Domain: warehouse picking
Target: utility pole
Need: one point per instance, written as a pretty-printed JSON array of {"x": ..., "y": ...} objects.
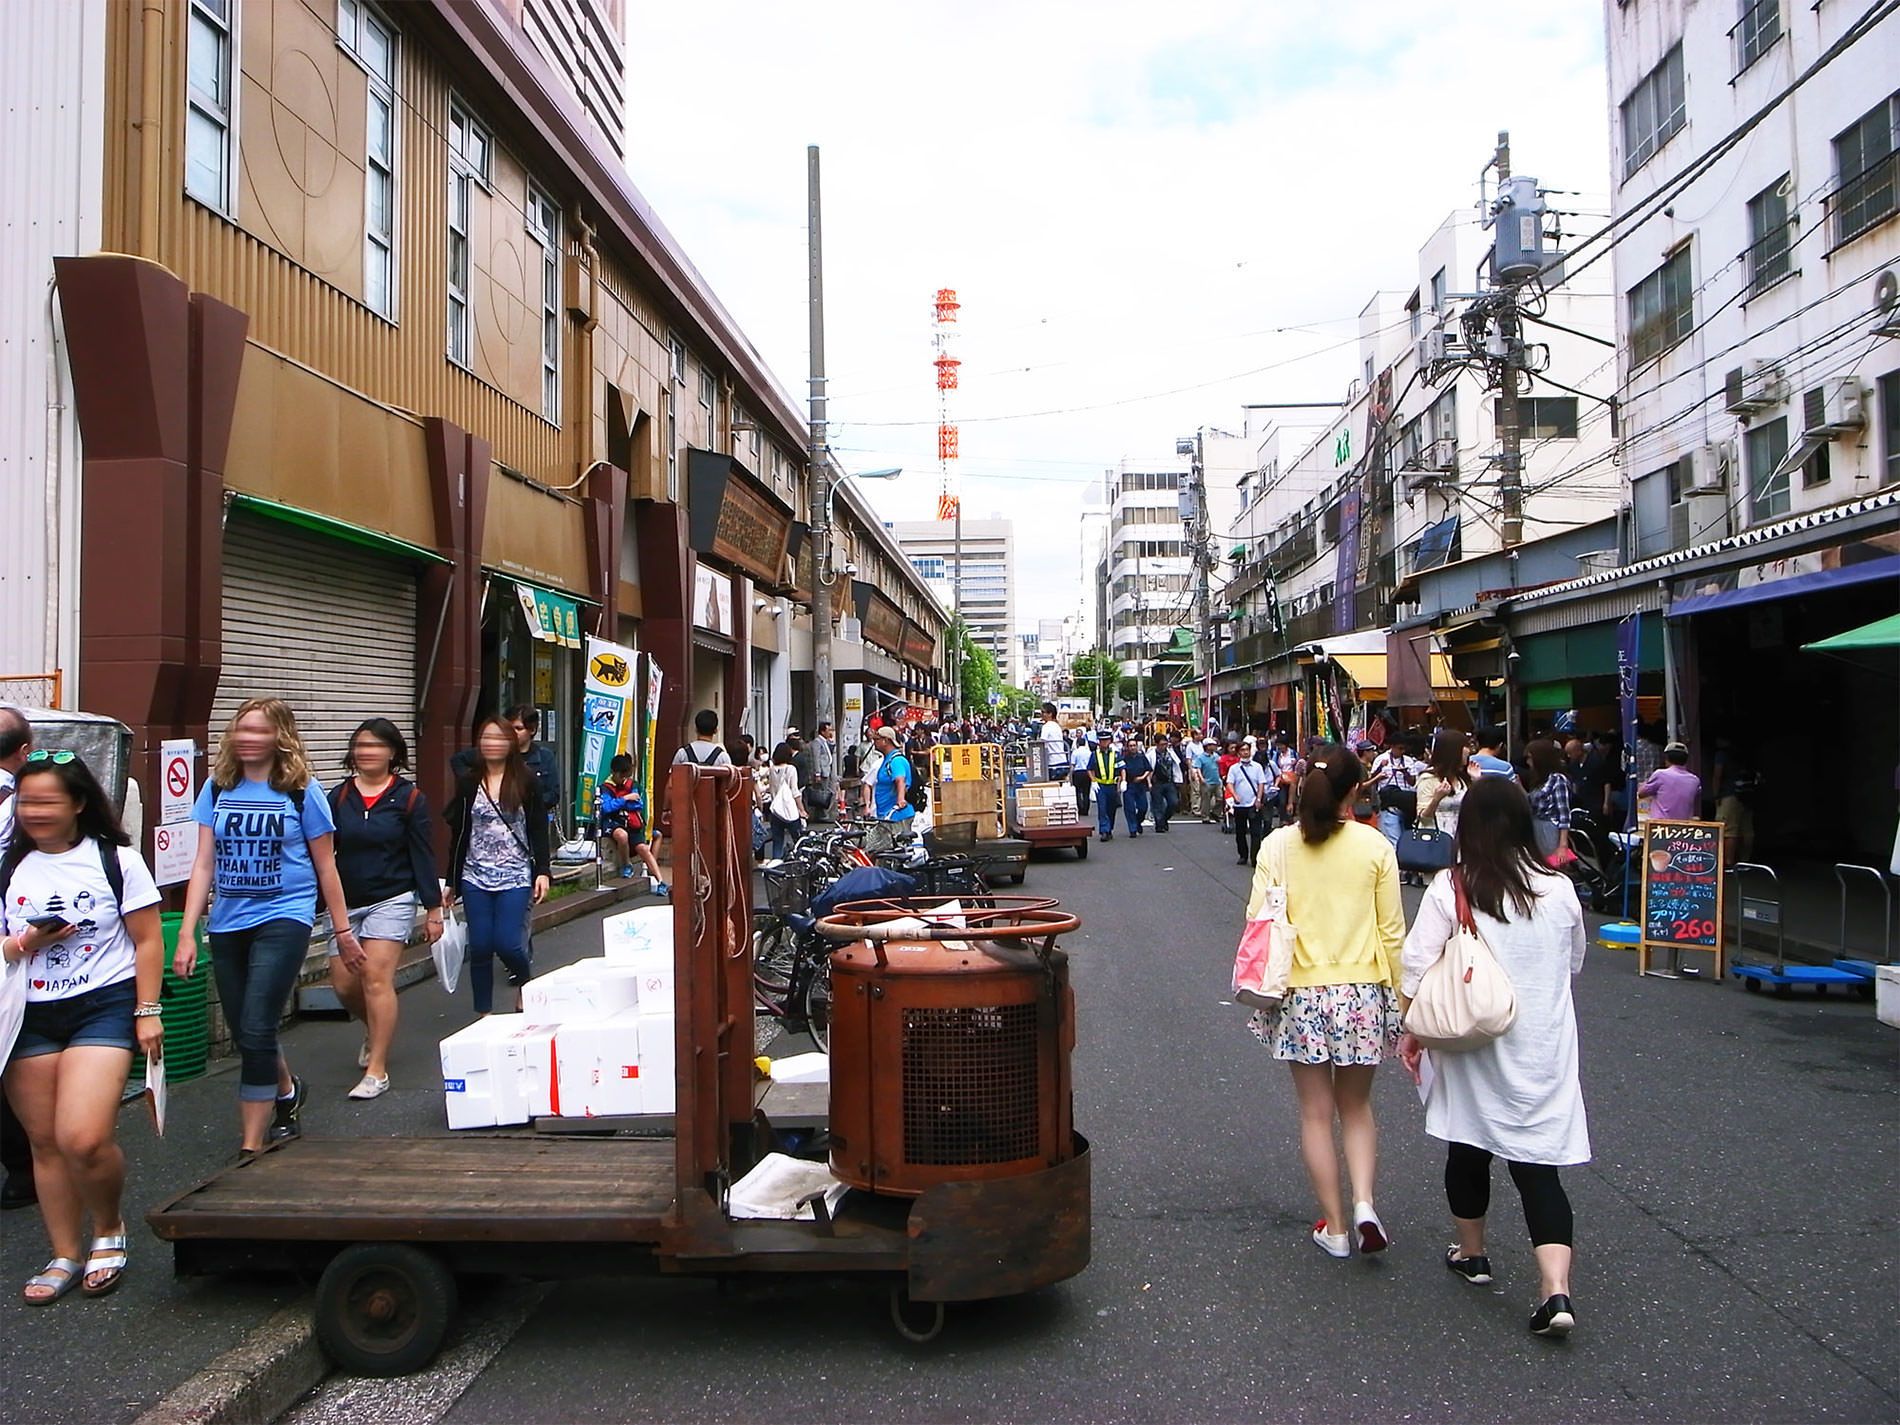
[
  {"x": 823, "y": 690},
  {"x": 1510, "y": 433},
  {"x": 1200, "y": 531}
]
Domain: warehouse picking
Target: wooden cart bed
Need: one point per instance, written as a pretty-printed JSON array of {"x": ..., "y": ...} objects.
[{"x": 487, "y": 1187}]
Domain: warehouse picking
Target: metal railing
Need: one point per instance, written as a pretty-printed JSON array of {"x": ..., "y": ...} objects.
[
  {"x": 32, "y": 690},
  {"x": 1864, "y": 199}
]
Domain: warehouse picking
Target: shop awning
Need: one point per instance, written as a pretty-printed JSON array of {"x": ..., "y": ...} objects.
[
  {"x": 1865, "y": 571},
  {"x": 336, "y": 529},
  {"x": 1881, "y": 633},
  {"x": 551, "y": 617},
  {"x": 1370, "y": 673}
]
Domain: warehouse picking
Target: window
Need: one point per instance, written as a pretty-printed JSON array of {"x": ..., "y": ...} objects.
[
  {"x": 931, "y": 566},
  {"x": 1890, "y": 425},
  {"x": 709, "y": 403},
  {"x": 372, "y": 43},
  {"x": 1756, "y": 32},
  {"x": 468, "y": 165},
  {"x": 208, "y": 104},
  {"x": 1762, "y": 448},
  {"x": 1546, "y": 417},
  {"x": 544, "y": 227},
  {"x": 1438, "y": 291},
  {"x": 1769, "y": 255},
  {"x": 1816, "y": 470},
  {"x": 1661, "y": 309},
  {"x": 1150, "y": 480},
  {"x": 676, "y": 352},
  {"x": 1653, "y": 112},
  {"x": 1650, "y": 498},
  {"x": 1864, "y": 175},
  {"x": 1414, "y": 323}
]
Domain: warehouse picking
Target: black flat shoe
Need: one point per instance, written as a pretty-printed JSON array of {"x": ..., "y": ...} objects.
[
  {"x": 1553, "y": 1318},
  {"x": 1476, "y": 1270}
]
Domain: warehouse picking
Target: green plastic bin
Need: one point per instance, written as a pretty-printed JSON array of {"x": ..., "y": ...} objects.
[{"x": 186, "y": 1012}]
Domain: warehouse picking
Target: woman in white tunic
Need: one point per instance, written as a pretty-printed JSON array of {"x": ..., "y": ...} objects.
[{"x": 1517, "y": 1097}]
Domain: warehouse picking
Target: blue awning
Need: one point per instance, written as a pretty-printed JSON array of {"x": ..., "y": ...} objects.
[{"x": 1866, "y": 571}]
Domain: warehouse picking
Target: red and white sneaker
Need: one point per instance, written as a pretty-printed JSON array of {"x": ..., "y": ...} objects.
[
  {"x": 1332, "y": 1244},
  {"x": 1372, "y": 1234}
]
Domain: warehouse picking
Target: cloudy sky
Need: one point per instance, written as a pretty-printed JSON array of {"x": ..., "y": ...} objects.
[{"x": 1151, "y": 213}]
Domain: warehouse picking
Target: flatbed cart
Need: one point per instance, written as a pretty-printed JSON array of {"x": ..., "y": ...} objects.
[
  {"x": 1024, "y": 765},
  {"x": 1762, "y": 910},
  {"x": 1853, "y": 964},
  {"x": 386, "y": 1224}
]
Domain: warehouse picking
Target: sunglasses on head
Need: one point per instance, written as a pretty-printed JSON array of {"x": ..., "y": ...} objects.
[{"x": 61, "y": 757}]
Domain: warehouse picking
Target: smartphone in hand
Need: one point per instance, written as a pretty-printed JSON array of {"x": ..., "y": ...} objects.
[{"x": 51, "y": 924}]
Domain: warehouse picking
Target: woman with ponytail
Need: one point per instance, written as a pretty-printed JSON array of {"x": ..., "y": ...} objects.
[{"x": 1340, "y": 1016}]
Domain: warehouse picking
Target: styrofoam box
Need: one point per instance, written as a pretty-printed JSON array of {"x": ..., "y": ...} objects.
[
  {"x": 649, "y": 928},
  {"x": 657, "y": 1061},
  {"x": 530, "y": 1060},
  {"x": 468, "y": 1077},
  {"x": 1887, "y": 994},
  {"x": 586, "y": 989},
  {"x": 599, "y": 1067},
  {"x": 654, "y": 971}
]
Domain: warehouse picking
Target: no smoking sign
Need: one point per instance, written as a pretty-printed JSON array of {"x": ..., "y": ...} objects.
[{"x": 176, "y": 763}]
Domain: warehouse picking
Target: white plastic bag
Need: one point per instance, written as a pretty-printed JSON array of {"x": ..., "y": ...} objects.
[
  {"x": 450, "y": 950},
  {"x": 12, "y": 1004}
]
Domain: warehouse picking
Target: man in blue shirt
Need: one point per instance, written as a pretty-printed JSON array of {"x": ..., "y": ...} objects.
[
  {"x": 1137, "y": 777},
  {"x": 890, "y": 795},
  {"x": 1487, "y": 760},
  {"x": 1209, "y": 796}
]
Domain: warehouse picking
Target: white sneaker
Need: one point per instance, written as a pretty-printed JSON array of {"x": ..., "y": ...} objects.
[
  {"x": 371, "y": 1086},
  {"x": 1332, "y": 1244},
  {"x": 1372, "y": 1233}
]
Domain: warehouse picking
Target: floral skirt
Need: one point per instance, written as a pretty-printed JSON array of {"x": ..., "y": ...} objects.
[{"x": 1331, "y": 1024}]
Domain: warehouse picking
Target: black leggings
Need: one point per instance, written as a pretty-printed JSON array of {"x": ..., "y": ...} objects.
[{"x": 1546, "y": 1206}]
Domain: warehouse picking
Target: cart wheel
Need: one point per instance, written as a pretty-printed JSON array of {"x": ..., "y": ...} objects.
[
  {"x": 917, "y": 1321},
  {"x": 1081, "y": 851},
  {"x": 383, "y": 1308},
  {"x": 1752, "y": 985}
]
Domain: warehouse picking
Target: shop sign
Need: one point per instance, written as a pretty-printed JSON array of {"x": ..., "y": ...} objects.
[
  {"x": 616, "y": 717},
  {"x": 918, "y": 646},
  {"x": 550, "y": 617},
  {"x": 883, "y": 623},
  {"x": 712, "y": 600},
  {"x": 752, "y": 533},
  {"x": 1682, "y": 889}
]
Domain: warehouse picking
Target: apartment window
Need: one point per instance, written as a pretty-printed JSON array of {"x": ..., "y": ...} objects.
[
  {"x": 676, "y": 356},
  {"x": 1890, "y": 425},
  {"x": 1438, "y": 291},
  {"x": 1816, "y": 469},
  {"x": 544, "y": 227},
  {"x": 1150, "y": 480},
  {"x": 1763, "y": 449},
  {"x": 1756, "y": 32},
  {"x": 1414, "y": 323},
  {"x": 1770, "y": 257},
  {"x": 1651, "y": 497},
  {"x": 371, "y": 41},
  {"x": 1653, "y": 112},
  {"x": 1864, "y": 173},
  {"x": 469, "y": 147},
  {"x": 1661, "y": 309},
  {"x": 208, "y": 104},
  {"x": 1546, "y": 417}
]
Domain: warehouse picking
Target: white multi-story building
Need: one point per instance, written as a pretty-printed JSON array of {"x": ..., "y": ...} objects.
[
  {"x": 987, "y": 587},
  {"x": 1148, "y": 564}
]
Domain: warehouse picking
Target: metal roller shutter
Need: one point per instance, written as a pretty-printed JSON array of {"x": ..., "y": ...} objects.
[{"x": 328, "y": 627}]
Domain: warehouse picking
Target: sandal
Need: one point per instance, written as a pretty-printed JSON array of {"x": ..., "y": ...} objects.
[
  {"x": 106, "y": 1257},
  {"x": 59, "y": 1286}
]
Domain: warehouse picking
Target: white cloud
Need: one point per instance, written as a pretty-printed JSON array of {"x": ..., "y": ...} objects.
[{"x": 1123, "y": 209}]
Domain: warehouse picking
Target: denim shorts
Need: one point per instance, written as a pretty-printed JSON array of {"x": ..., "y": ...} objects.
[
  {"x": 100, "y": 1018},
  {"x": 393, "y": 919}
]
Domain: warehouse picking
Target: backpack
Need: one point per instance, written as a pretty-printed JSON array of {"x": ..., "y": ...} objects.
[
  {"x": 296, "y": 795},
  {"x": 711, "y": 757},
  {"x": 336, "y": 799}
]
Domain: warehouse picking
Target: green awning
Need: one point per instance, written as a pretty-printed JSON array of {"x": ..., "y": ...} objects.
[
  {"x": 1881, "y": 633},
  {"x": 551, "y": 617},
  {"x": 336, "y": 529}
]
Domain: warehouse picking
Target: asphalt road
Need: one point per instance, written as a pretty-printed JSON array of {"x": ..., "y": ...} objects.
[{"x": 1736, "y": 1259}]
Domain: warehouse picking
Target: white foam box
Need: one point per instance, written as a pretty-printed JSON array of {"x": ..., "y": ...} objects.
[
  {"x": 599, "y": 1069},
  {"x": 586, "y": 989},
  {"x": 525, "y": 1059},
  {"x": 653, "y": 969},
  {"x": 657, "y": 1062},
  {"x": 1887, "y": 994},
  {"x": 468, "y": 1083},
  {"x": 649, "y": 928}
]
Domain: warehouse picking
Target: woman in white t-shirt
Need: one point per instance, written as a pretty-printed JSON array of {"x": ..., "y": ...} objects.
[{"x": 82, "y": 923}]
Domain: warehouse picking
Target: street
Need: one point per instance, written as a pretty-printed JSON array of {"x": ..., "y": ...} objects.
[{"x": 1736, "y": 1236}]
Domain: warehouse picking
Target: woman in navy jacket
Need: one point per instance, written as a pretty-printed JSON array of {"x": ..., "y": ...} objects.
[{"x": 385, "y": 857}]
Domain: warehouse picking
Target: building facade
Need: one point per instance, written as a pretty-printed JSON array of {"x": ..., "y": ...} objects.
[
  {"x": 988, "y": 584},
  {"x": 380, "y": 387}
]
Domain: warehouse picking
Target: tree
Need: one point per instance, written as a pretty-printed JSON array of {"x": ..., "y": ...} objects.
[
  {"x": 1093, "y": 676},
  {"x": 978, "y": 674}
]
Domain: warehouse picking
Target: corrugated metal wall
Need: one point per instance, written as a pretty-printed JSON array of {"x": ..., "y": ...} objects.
[{"x": 52, "y": 74}]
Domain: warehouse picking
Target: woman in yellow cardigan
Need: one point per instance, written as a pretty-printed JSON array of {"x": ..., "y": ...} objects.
[{"x": 1340, "y": 1017}]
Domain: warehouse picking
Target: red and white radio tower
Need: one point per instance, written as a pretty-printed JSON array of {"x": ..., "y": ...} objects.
[{"x": 944, "y": 331}]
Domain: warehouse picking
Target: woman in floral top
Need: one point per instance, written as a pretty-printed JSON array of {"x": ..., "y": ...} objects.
[{"x": 498, "y": 863}]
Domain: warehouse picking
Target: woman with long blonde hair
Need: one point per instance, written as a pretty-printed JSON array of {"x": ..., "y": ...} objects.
[{"x": 267, "y": 847}]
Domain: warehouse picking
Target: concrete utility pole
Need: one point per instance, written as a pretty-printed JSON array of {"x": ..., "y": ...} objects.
[
  {"x": 1201, "y": 533},
  {"x": 1510, "y": 433},
  {"x": 823, "y": 688}
]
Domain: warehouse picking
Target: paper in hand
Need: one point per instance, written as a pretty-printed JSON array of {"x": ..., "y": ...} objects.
[
  {"x": 155, "y": 1093},
  {"x": 1427, "y": 1075}
]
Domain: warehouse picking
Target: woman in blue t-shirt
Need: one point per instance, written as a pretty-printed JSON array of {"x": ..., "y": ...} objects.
[{"x": 268, "y": 851}]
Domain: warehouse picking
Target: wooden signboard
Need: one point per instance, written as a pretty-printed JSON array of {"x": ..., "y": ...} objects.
[{"x": 1682, "y": 891}]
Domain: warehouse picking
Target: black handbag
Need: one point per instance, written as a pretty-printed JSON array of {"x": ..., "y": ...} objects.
[
  {"x": 1403, "y": 800},
  {"x": 1424, "y": 848}
]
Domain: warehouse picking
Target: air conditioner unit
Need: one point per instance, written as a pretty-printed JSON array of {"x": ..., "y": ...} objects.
[
  {"x": 1442, "y": 455},
  {"x": 1834, "y": 407},
  {"x": 1754, "y": 386},
  {"x": 1698, "y": 519},
  {"x": 1598, "y": 561},
  {"x": 1433, "y": 347},
  {"x": 1708, "y": 470}
]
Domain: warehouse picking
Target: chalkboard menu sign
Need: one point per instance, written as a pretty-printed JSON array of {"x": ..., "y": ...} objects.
[{"x": 1682, "y": 889}]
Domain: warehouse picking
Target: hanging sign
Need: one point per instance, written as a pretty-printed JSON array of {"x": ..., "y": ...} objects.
[
  {"x": 610, "y": 715},
  {"x": 177, "y": 783},
  {"x": 1682, "y": 890}
]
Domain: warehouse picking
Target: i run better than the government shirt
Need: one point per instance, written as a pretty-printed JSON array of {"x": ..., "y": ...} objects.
[{"x": 261, "y": 853}]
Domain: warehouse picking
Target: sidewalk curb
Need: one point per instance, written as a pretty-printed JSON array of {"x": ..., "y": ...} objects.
[{"x": 254, "y": 1382}]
